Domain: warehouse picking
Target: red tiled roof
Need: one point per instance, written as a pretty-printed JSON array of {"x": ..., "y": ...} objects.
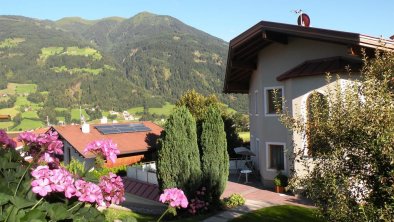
[
  {"x": 127, "y": 142},
  {"x": 242, "y": 58},
  {"x": 336, "y": 64},
  {"x": 142, "y": 189},
  {"x": 5, "y": 117}
]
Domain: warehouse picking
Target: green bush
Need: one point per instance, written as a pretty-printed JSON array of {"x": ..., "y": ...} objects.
[
  {"x": 234, "y": 200},
  {"x": 352, "y": 175},
  {"x": 281, "y": 180},
  {"x": 214, "y": 156}
]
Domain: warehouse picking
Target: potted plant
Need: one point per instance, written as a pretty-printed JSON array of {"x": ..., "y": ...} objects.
[{"x": 280, "y": 182}]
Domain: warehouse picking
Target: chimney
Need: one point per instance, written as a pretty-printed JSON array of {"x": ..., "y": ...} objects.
[
  {"x": 85, "y": 128},
  {"x": 104, "y": 120}
]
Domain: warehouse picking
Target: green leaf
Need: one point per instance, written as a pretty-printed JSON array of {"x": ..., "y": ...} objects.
[
  {"x": 21, "y": 203},
  {"x": 58, "y": 211},
  {"x": 4, "y": 198},
  {"x": 34, "y": 215}
]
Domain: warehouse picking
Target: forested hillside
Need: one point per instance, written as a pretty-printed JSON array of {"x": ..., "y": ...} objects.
[{"x": 112, "y": 63}]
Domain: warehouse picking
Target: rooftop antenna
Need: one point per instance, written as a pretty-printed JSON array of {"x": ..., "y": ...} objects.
[
  {"x": 82, "y": 117},
  {"x": 303, "y": 19}
]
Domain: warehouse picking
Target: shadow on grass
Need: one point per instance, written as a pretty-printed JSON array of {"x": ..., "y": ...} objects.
[{"x": 281, "y": 213}]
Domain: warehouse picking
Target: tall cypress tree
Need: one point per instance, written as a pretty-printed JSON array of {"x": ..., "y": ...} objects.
[
  {"x": 214, "y": 159},
  {"x": 178, "y": 163}
]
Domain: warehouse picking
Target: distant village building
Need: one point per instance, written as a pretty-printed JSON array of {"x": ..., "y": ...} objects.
[
  {"x": 128, "y": 116},
  {"x": 133, "y": 140},
  {"x": 113, "y": 112},
  {"x": 5, "y": 118}
]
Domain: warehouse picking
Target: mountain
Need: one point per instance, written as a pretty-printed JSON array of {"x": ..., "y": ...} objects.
[{"x": 112, "y": 62}]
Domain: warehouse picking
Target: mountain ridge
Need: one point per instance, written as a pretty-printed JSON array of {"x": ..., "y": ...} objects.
[{"x": 149, "y": 57}]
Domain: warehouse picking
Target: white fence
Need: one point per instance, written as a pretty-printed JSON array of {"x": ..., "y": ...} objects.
[{"x": 145, "y": 172}]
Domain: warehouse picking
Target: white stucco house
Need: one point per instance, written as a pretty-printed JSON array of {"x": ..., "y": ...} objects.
[{"x": 293, "y": 60}]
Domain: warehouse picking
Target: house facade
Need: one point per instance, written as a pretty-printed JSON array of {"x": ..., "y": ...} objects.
[{"x": 288, "y": 61}]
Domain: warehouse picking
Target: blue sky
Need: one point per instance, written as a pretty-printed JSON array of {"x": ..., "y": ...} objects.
[{"x": 223, "y": 18}]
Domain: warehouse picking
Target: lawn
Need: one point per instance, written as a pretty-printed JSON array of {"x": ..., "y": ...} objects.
[
  {"x": 30, "y": 115},
  {"x": 22, "y": 101},
  {"x": 135, "y": 110},
  {"x": 13, "y": 88},
  {"x": 279, "y": 214},
  {"x": 28, "y": 124},
  {"x": 166, "y": 110},
  {"x": 75, "y": 114},
  {"x": 245, "y": 136},
  {"x": 6, "y": 125},
  {"x": 25, "y": 88},
  {"x": 111, "y": 214}
]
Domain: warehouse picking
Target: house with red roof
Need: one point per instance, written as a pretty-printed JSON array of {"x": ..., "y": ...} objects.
[
  {"x": 290, "y": 61},
  {"x": 134, "y": 140}
]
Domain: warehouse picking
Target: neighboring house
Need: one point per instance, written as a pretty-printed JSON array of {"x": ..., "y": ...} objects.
[
  {"x": 291, "y": 60},
  {"x": 133, "y": 140},
  {"x": 5, "y": 118}
]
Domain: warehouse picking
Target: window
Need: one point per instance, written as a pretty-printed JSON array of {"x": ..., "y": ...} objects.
[
  {"x": 276, "y": 156},
  {"x": 272, "y": 95},
  {"x": 256, "y": 110},
  {"x": 317, "y": 113}
]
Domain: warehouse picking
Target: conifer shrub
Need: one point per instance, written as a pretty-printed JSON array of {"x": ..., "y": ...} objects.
[
  {"x": 214, "y": 156},
  {"x": 178, "y": 163}
]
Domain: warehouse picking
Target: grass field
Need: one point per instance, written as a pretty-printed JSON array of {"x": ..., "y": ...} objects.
[
  {"x": 245, "y": 136},
  {"x": 25, "y": 88},
  {"x": 71, "y": 51},
  {"x": 11, "y": 42},
  {"x": 30, "y": 115},
  {"x": 13, "y": 88},
  {"x": 165, "y": 110},
  {"x": 282, "y": 213},
  {"x": 6, "y": 125},
  {"x": 75, "y": 114},
  {"x": 77, "y": 70},
  {"x": 136, "y": 110},
  {"x": 28, "y": 124}
]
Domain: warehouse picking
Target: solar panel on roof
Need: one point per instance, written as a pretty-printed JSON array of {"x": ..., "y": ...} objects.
[
  {"x": 126, "y": 130},
  {"x": 122, "y": 128},
  {"x": 104, "y": 127}
]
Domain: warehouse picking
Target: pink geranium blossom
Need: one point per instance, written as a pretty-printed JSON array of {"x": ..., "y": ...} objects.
[
  {"x": 89, "y": 192},
  {"x": 104, "y": 148},
  {"x": 112, "y": 188},
  {"x": 55, "y": 180},
  {"x": 41, "y": 186},
  {"x": 44, "y": 146},
  {"x": 5, "y": 141},
  {"x": 175, "y": 197}
]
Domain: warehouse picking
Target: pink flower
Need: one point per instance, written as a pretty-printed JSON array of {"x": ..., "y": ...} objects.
[
  {"x": 89, "y": 192},
  {"x": 41, "y": 186},
  {"x": 27, "y": 137},
  {"x": 41, "y": 172},
  {"x": 112, "y": 189},
  {"x": 55, "y": 147},
  {"x": 5, "y": 141},
  {"x": 175, "y": 197},
  {"x": 104, "y": 148}
]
